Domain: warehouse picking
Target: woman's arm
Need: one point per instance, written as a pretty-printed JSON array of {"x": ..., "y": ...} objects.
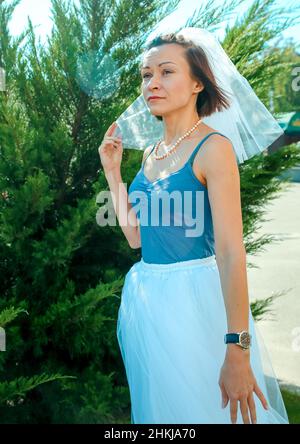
[
  {"x": 123, "y": 207},
  {"x": 220, "y": 169},
  {"x": 223, "y": 183}
]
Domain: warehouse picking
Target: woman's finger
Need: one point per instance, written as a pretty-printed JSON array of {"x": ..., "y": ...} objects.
[
  {"x": 115, "y": 144},
  {"x": 252, "y": 408},
  {"x": 260, "y": 395},
  {"x": 111, "y": 129},
  {"x": 225, "y": 397},
  {"x": 233, "y": 410},
  {"x": 112, "y": 138},
  {"x": 244, "y": 410}
]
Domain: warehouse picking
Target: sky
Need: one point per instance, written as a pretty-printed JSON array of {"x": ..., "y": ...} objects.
[{"x": 39, "y": 12}]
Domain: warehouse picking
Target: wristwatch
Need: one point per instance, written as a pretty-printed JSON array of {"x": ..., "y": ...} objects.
[{"x": 243, "y": 339}]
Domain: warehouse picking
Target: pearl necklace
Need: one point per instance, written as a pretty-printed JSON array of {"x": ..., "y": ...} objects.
[{"x": 174, "y": 147}]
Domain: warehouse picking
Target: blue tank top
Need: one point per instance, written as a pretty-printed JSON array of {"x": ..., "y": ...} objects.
[{"x": 183, "y": 230}]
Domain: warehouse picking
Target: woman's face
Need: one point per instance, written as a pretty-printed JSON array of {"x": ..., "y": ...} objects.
[{"x": 171, "y": 81}]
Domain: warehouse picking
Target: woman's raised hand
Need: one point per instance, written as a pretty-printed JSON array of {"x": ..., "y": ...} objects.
[{"x": 111, "y": 150}]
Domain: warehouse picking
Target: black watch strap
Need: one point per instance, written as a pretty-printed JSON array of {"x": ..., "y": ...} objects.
[{"x": 232, "y": 338}]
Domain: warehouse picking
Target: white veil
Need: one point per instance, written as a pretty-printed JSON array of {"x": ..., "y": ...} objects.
[{"x": 248, "y": 124}]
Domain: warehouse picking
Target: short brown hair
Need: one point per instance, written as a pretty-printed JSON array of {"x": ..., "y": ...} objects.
[{"x": 212, "y": 98}]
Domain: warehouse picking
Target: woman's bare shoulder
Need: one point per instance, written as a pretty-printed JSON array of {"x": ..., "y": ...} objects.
[{"x": 216, "y": 150}]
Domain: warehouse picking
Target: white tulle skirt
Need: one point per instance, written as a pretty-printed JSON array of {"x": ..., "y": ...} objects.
[{"x": 170, "y": 329}]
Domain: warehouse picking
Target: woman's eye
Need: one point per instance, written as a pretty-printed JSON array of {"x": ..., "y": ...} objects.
[{"x": 147, "y": 75}]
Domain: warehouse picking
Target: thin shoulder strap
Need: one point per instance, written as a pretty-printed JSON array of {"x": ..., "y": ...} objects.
[
  {"x": 192, "y": 156},
  {"x": 148, "y": 155}
]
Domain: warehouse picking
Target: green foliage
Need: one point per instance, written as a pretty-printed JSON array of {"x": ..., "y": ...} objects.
[
  {"x": 13, "y": 392},
  {"x": 9, "y": 314},
  {"x": 292, "y": 402},
  {"x": 56, "y": 263},
  {"x": 22, "y": 385}
]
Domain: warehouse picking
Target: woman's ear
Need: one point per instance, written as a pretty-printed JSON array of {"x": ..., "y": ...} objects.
[{"x": 198, "y": 87}]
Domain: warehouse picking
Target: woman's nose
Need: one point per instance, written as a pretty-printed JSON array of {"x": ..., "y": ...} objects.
[{"x": 153, "y": 82}]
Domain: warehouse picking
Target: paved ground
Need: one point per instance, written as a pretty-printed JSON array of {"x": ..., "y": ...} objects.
[{"x": 279, "y": 271}]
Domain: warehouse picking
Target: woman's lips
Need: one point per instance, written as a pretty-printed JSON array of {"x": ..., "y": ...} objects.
[{"x": 155, "y": 98}]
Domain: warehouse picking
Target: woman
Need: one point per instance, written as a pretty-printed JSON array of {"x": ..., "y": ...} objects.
[{"x": 190, "y": 287}]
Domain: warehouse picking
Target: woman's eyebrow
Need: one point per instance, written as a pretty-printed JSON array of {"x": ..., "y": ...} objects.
[{"x": 148, "y": 67}]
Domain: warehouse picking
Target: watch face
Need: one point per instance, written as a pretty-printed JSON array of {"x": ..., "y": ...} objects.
[{"x": 245, "y": 339}]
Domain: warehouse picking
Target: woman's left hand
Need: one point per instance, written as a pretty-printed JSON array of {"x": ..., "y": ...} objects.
[{"x": 237, "y": 383}]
